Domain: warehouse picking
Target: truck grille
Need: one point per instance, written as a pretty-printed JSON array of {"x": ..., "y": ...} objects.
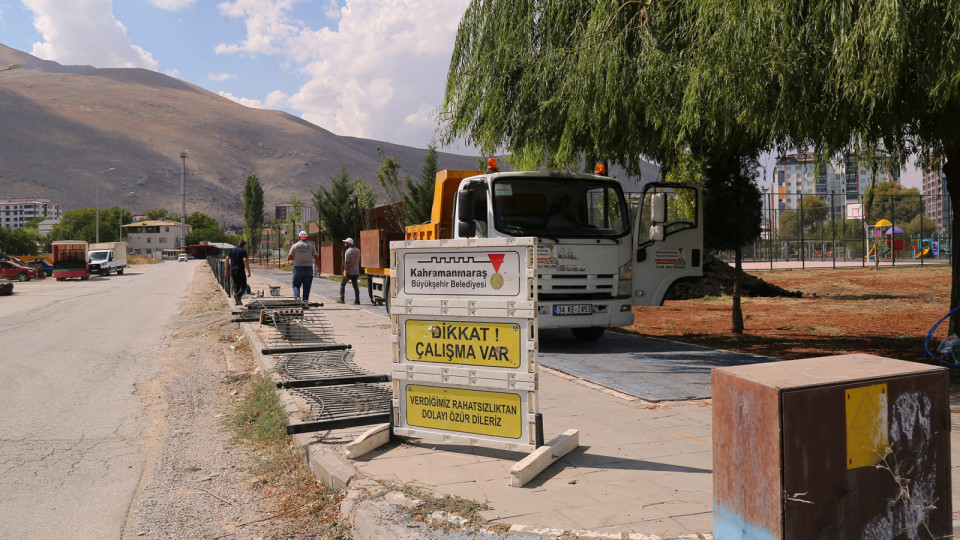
[{"x": 576, "y": 287}]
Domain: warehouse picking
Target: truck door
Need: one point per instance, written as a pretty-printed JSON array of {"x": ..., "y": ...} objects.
[{"x": 667, "y": 240}]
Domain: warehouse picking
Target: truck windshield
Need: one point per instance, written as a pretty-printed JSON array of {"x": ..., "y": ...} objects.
[
  {"x": 560, "y": 207},
  {"x": 98, "y": 255}
]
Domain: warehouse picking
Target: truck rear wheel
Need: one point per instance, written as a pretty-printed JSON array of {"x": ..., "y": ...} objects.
[
  {"x": 120, "y": 272},
  {"x": 592, "y": 333}
]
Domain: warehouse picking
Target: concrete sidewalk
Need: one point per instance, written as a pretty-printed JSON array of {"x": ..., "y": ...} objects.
[{"x": 643, "y": 469}]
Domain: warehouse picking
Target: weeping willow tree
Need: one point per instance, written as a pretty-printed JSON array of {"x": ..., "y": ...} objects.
[
  {"x": 852, "y": 74},
  {"x": 620, "y": 79},
  {"x": 563, "y": 83}
]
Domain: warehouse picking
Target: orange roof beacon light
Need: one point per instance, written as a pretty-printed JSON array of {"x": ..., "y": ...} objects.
[
  {"x": 600, "y": 169},
  {"x": 492, "y": 165}
]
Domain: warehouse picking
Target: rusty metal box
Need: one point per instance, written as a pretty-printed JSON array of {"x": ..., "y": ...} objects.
[{"x": 841, "y": 447}]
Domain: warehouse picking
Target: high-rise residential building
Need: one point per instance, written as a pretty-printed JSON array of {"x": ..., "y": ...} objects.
[
  {"x": 936, "y": 200},
  {"x": 860, "y": 172},
  {"x": 15, "y": 213},
  {"x": 307, "y": 213},
  {"x": 797, "y": 175}
]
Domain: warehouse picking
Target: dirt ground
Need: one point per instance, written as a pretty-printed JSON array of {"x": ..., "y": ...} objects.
[
  {"x": 887, "y": 312},
  {"x": 197, "y": 482}
]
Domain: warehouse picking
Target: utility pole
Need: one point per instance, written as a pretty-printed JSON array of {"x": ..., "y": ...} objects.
[
  {"x": 98, "y": 201},
  {"x": 183, "y": 200}
]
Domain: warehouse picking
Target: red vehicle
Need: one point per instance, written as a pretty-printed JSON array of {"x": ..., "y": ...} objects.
[
  {"x": 70, "y": 260},
  {"x": 12, "y": 270}
]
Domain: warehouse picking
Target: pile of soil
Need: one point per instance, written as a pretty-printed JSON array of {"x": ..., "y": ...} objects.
[{"x": 717, "y": 280}]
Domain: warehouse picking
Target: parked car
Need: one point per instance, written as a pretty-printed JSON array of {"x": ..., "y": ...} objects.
[
  {"x": 182, "y": 257},
  {"x": 12, "y": 270},
  {"x": 42, "y": 267}
]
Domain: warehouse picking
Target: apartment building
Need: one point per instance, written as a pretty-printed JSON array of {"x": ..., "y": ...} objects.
[
  {"x": 15, "y": 213},
  {"x": 148, "y": 238}
]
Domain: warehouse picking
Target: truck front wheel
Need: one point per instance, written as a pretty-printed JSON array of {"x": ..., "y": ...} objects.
[{"x": 592, "y": 333}]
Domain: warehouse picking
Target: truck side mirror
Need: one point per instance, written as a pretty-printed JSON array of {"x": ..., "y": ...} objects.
[
  {"x": 658, "y": 208},
  {"x": 464, "y": 205},
  {"x": 465, "y": 226},
  {"x": 466, "y": 229},
  {"x": 656, "y": 233}
]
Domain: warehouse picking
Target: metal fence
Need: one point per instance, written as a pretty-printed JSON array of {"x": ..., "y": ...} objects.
[{"x": 829, "y": 230}]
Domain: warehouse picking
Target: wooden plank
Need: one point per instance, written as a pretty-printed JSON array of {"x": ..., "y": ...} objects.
[
  {"x": 371, "y": 439},
  {"x": 541, "y": 458}
]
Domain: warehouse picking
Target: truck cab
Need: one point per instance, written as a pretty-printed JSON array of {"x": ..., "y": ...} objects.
[
  {"x": 102, "y": 261},
  {"x": 598, "y": 252}
]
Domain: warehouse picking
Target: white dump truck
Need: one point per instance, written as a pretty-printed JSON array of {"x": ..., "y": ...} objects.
[
  {"x": 108, "y": 257},
  {"x": 598, "y": 253}
]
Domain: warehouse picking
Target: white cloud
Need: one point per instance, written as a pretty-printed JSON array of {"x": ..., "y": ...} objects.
[
  {"x": 252, "y": 103},
  {"x": 172, "y": 5},
  {"x": 379, "y": 74},
  {"x": 333, "y": 11},
  {"x": 221, "y": 76},
  {"x": 86, "y": 33},
  {"x": 269, "y": 27}
]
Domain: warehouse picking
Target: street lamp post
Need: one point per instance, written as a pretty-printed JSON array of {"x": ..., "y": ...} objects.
[
  {"x": 98, "y": 200},
  {"x": 183, "y": 200}
]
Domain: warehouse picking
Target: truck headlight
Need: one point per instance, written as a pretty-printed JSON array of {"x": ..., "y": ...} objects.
[{"x": 625, "y": 279}]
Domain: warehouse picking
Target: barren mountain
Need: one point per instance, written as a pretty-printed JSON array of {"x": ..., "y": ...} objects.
[{"x": 61, "y": 126}]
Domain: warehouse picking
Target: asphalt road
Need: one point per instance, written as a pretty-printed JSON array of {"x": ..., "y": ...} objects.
[{"x": 72, "y": 428}]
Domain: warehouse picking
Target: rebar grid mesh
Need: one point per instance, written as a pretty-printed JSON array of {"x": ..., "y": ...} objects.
[
  {"x": 317, "y": 365},
  {"x": 310, "y": 329},
  {"x": 345, "y": 401},
  {"x": 274, "y": 303}
]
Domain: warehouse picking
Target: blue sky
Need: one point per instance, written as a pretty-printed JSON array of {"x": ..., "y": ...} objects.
[{"x": 365, "y": 68}]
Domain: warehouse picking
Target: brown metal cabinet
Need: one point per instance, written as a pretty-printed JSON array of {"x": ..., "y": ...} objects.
[{"x": 853, "y": 446}]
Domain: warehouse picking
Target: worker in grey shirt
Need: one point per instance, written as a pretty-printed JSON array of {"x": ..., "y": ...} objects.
[
  {"x": 303, "y": 254},
  {"x": 351, "y": 270}
]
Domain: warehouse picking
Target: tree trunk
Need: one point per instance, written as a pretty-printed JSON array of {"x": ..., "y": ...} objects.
[
  {"x": 736, "y": 313},
  {"x": 951, "y": 174}
]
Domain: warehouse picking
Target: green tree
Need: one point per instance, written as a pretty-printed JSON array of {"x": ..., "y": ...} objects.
[
  {"x": 78, "y": 224},
  {"x": 814, "y": 212},
  {"x": 339, "y": 216},
  {"x": 890, "y": 201},
  {"x": 788, "y": 225},
  {"x": 24, "y": 241},
  {"x": 203, "y": 229},
  {"x": 295, "y": 218},
  {"x": 388, "y": 174},
  {"x": 253, "y": 212},
  {"x": 158, "y": 214},
  {"x": 729, "y": 184},
  {"x": 34, "y": 223},
  {"x": 418, "y": 203},
  {"x": 566, "y": 83},
  {"x": 842, "y": 74},
  {"x": 414, "y": 194}
]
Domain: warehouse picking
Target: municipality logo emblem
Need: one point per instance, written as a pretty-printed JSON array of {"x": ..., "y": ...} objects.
[{"x": 496, "y": 280}]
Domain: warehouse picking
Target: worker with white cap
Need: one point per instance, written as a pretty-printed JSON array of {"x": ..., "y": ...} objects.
[
  {"x": 351, "y": 270},
  {"x": 303, "y": 254}
]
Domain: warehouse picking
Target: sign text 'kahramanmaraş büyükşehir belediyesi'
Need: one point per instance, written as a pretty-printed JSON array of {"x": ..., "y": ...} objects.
[{"x": 459, "y": 376}]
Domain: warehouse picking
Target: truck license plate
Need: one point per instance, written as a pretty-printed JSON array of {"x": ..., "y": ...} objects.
[{"x": 573, "y": 309}]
